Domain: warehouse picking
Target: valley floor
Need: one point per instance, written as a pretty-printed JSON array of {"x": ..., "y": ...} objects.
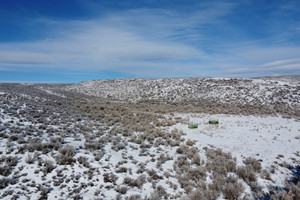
[{"x": 64, "y": 145}]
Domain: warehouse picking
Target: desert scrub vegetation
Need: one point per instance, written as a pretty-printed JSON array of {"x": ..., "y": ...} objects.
[
  {"x": 66, "y": 155},
  {"x": 290, "y": 191},
  {"x": 48, "y": 166},
  {"x": 219, "y": 166},
  {"x": 138, "y": 133},
  {"x": 110, "y": 178},
  {"x": 7, "y": 164},
  {"x": 138, "y": 182}
]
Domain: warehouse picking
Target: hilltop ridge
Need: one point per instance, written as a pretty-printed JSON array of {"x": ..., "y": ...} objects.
[{"x": 275, "y": 94}]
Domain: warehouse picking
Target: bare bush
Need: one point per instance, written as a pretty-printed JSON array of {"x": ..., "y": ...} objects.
[
  {"x": 83, "y": 160},
  {"x": 110, "y": 177},
  {"x": 182, "y": 149},
  {"x": 162, "y": 159},
  {"x": 4, "y": 182},
  {"x": 122, "y": 170},
  {"x": 256, "y": 189},
  {"x": 5, "y": 170},
  {"x": 135, "y": 197},
  {"x": 195, "y": 195},
  {"x": 66, "y": 155},
  {"x": 68, "y": 150},
  {"x": 190, "y": 142},
  {"x": 7, "y": 164},
  {"x": 29, "y": 159},
  {"x": 181, "y": 165},
  {"x": 11, "y": 161},
  {"x": 254, "y": 163},
  {"x": 92, "y": 145},
  {"x": 247, "y": 173},
  {"x": 196, "y": 159},
  {"x": 153, "y": 174},
  {"x": 232, "y": 189},
  {"x": 211, "y": 194},
  {"x": 99, "y": 154},
  {"x": 122, "y": 189},
  {"x": 231, "y": 192},
  {"x": 48, "y": 166}
]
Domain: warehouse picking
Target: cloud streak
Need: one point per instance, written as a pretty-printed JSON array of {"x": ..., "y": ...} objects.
[
  {"x": 112, "y": 43},
  {"x": 152, "y": 42},
  {"x": 278, "y": 67}
]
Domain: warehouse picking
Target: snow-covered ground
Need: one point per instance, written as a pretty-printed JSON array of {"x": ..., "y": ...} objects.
[
  {"x": 263, "y": 138},
  {"x": 74, "y": 147},
  {"x": 255, "y": 92}
]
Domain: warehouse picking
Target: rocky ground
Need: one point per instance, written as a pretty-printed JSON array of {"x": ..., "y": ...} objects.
[{"x": 128, "y": 139}]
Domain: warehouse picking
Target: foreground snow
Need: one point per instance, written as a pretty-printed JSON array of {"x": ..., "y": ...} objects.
[
  {"x": 263, "y": 138},
  {"x": 61, "y": 146}
]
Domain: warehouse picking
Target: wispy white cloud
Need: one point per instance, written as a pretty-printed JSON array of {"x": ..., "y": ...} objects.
[
  {"x": 98, "y": 47},
  {"x": 125, "y": 42},
  {"x": 149, "y": 42},
  {"x": 279, "y": 67},
  {"x": 24, "y": 57}
]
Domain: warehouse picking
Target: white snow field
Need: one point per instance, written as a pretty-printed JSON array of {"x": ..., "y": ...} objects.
[
  {"x": 261, "y": 137},
  {"x": 260, "y": 91},
  {"x": 59, "y": 144}
]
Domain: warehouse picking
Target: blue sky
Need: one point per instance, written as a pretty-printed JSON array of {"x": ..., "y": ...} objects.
[{"x": 77, "y": 40}]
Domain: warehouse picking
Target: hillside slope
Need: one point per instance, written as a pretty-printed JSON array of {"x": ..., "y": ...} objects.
[{"x": 281, "y": 94}]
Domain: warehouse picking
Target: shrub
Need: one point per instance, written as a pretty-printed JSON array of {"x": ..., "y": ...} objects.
[
  {"x": 129, "y": 181},
  {"x": 35, "y": 144},
  {"x": 160, "y": 190},
  {"x": 121, "y": 170},
  {"x": 195, "y": 195},
  {"x": 256, "y": 189},
  {"x": 48, "y": 166},
  {"x": 140, "y": 181},
  {"x": 162, "y": 159},
  {"x": 29, "y": 159},
  {"x": 135, "y": 197},
  {"x": 68, "y": 151},
  {"x": 218, "y": 183},
  {"x": 154, "y": 174},
  {"x": 11, "y": 161},
  {"x": 5, "y": 170},
  {"x": 196, "y": 159},
  {"x": 92, "y": 145},
  {"x": 44, "y": 192},
  {"x": 181, "y": 164},
  {"x": 266, "y": 175},
  {"x": 190, "y": 142},
  {"x": 184, "y": 181},
  {"x": 66, "y": 155},
  {"x": 231, "y": 191},
  {"x": 110, "y": 177},
  {"x": 154, "y": 196},
  {"x": 182, "y": 149},
  {"x": 83, "y": 160},
  {"x": 211, "y": 194},
  {"x": 122, "y": 189},
  {"x": 99, "y": 154},
  {"x": 247, "y": 173},
  {"x": 4, "y": 182},
  {"x": 13, "y": 137},
  {"x": 254, "y": 163}
]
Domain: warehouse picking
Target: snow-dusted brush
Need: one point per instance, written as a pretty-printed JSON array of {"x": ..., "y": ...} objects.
[{"x": 151, "y": 139}]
